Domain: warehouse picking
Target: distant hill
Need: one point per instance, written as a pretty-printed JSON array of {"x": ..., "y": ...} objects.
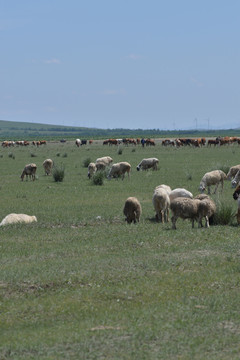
[{"x": 10, "y": 130}]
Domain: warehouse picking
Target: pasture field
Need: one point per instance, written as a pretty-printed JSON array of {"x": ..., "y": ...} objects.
[{"x": 82, "y": 284}]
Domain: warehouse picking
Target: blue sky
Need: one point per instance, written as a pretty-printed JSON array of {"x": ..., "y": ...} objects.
[{"x": 153, "y": 64}]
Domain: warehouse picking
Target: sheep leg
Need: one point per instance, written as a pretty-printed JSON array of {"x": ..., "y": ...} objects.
[
  {"x": 174, "y": 219},
  {"x": 162, "y": 216},
  {"x": 209, "y": 190},
  {"x": 206, "y": 222},
  {"x": 192, "y": 223},
  {"x": 167, "y": 215},
  {"x": 200, "y": 222},
  {"x": 216, "y": 188}
]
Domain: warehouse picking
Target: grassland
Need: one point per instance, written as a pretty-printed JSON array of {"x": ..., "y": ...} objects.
[{"x": 82, "y": 284}]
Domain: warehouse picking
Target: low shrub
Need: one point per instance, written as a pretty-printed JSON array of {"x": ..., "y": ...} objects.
[
  {"x": 224, "y": 214},
  {"x": 11, "y": 155},
  {"x": 86, "y": 162},
  {"x": 98, "y": 178},
  {"x": 120, "y": 150},
  {"x": 58, "y": 173}
]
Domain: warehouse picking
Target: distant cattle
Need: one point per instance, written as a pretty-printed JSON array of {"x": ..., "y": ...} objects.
[{"x": 78, "y": 142}]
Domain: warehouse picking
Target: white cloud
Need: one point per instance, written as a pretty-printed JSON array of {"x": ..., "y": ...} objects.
[
  {"x": 196, "y": 82},
  {"x": 52, "y": 61},
  {"x": 133, "y": 57},
  {"x": 114, "y": 92}
]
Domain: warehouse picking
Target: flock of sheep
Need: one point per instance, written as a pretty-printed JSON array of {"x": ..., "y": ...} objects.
[{"x": 180, "y": 201}]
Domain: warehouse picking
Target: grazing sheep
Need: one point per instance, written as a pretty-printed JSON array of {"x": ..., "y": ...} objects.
[
  {"x": 165, "y": 187},
  {"x": 184, "y": 208},
  {"x": 180, "y": 192},
  {"x": 100, "y": 165},
  {"x": 149, "y": 163},
  {"x": 17, "y": 218},
  {"x": 206, "y": 209},
  {"x": 106, "y": 159},
  {"x": 132, "y": 210},
  {"x": 233, "y": 171},
  {"x": 237, "y": 197},
  {"x": 91, "y": 169},
  {"x": 48, "y": 165},
  {"x": 119, "y": 169},
  {"x": 161, "y": 203},
  {"x": 29, "y": 169},
  {"x": 236, "y": 180},
  {"x": 78, "y": 142},
  {"x": 212, "y": 178}
]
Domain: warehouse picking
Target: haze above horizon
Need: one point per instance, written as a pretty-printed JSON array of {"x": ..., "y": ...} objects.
[{"x": 111, "y": 64}]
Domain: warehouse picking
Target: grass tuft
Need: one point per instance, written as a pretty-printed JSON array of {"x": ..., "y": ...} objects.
[
  {"x": 86, "y": 162},
  {"x": 58, "y": 173},
  {"x": 98, "y": 178},
  {"x": 224, "y": 214}
]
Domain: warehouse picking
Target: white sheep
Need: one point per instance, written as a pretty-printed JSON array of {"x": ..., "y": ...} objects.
[
  {"x": 48, "y": 165},
  {"x": 119, "y": 169},
  {"x": 149, "y": 163},
  {"x": 212, "y": 178},
  {"x": 185, "y": 208},
  {"x": 180, "y": 192},
  {"x": 100, "y": 165},
  {"x": 29, "y": 169},
  {"x": 132, "y": 210},
  {"x": 105, "y": 159},
  {"x": 233, "y": 171},
  {"x": 165, "y": 187},
  {"x": 17, "y": 218},
  {"x": 236, "y": 180},
  {"x": 91, "y": 169},
  {"x": 161, "y": 203}
]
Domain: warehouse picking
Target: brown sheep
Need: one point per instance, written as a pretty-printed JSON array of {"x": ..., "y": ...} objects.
[{"x": 132, "y": 210}]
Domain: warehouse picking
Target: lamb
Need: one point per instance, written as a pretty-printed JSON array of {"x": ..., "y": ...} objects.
[
  {"x": 233, "y": 171},
  {"x": 149, "y": 163},
  {"x": 119, "y": 169},
  {"x": 206, "y": 209},
  {"x": 106, "y": 159},
  {"x": 48, "y": 165},
  {"x": 132, "y": 210},
  {"x": 184, "y": 208},
  {"x": 212, "y": 178},
  {"x": 91, "y": 169},
  {"x": 29, "y": 169},
  {"x": 161, "y": 203},
  {"x": 180, "y": 192},
  {"x": 17, "y": 218},
  {"x": 236, "y": 180}
]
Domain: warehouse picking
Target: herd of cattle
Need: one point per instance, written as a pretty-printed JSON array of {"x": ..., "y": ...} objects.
[{"x": 195, "y": 142}]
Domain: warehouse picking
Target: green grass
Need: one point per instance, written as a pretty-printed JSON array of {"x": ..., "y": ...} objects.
[{"x": 82, "y": 284}]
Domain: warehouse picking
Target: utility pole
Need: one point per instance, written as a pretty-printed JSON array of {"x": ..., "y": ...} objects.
[{"x": 196, "y": 123}]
